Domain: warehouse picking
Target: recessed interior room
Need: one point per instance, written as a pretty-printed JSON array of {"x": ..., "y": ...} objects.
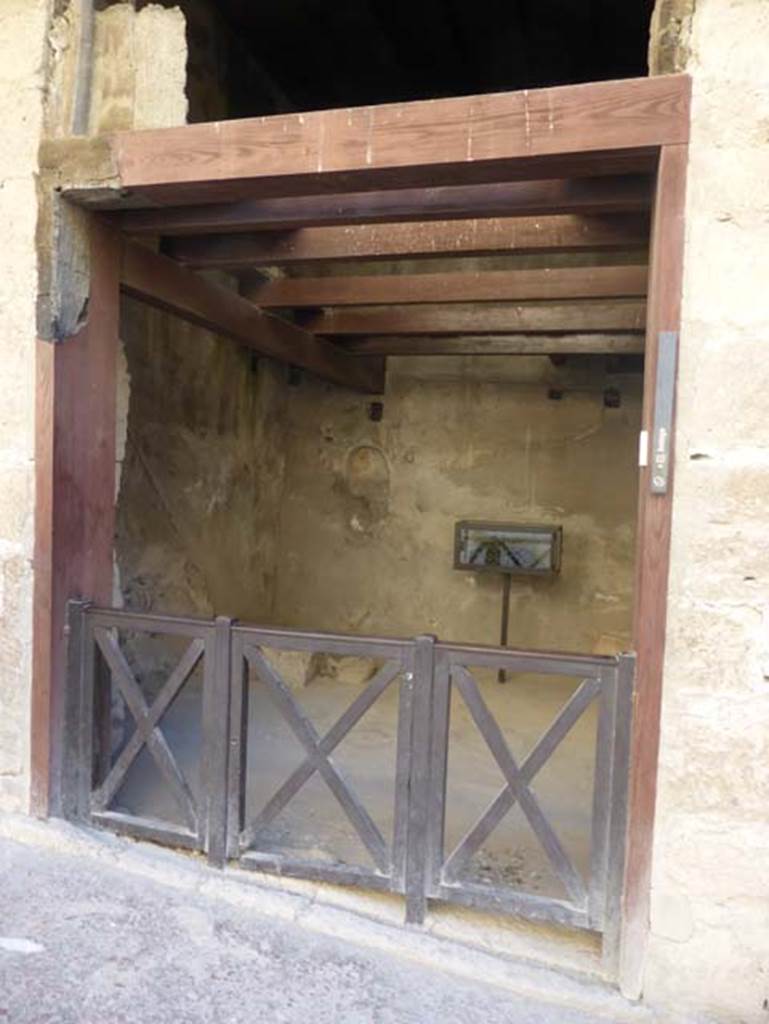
[{"x": 491, "y": 339}]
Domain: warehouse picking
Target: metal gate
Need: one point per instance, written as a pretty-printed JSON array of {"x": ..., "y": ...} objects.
[{"x": 421, "y": 676}]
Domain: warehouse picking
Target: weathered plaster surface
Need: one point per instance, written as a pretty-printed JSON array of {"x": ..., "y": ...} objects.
[
  {"x": 326, "y": 519},
  {"x": 22, "y": 61},
  {"x": 670, "y": 36},
  {"x": 709, "y": 949},
  {"x": 368, "y": 513},
  {"x": 139, "y": 75},
  {"x": 202, "y": 474}
]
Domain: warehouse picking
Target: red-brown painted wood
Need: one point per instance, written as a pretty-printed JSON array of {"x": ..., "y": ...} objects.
[
  {"x": 596, "y": 128},
  {"x": 161, "y": 282},
  {"x": 522, "y": 235},
  {"x": 652, "y": 568},
  {"x": 477, "y": 286},
  {"x": 75, "y": 496},
  {"x": 586, "y": 196}
]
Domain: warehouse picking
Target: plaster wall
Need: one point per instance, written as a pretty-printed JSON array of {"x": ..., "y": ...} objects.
[
  {"x": 325, "y": 519},
  {"x": 709, "y": 947},
  {"x": 368, "y": 508},
  {"x": 23, "y": 26},
  {"x": 202, "y": 473}
]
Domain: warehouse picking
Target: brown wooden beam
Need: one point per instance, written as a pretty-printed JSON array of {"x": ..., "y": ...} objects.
[
  {"x": 600, "y": 128},
  {"x": 499, "y": 345},
  {"x": 160, "y": 282},
  {"x": 413, "y": 241},
  {"x": 74, "y": 500},
  {"x": 481, "y": 286},
  {"x": 653, "y": 534},
  {"x": 542, "y": 318},
  {"x": 625, "y": 194}
]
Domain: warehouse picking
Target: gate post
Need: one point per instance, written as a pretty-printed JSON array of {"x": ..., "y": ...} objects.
[
  {"x": 419, "y": 781},
  {"x": 237, "y": 754},
  {"x": 75, "y": 764},
  {"x": 216, "y": 734},
  {"x": 618, "y": 820}
]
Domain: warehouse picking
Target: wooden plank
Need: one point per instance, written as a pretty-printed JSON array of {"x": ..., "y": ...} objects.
[
  {"x": 215, "y": 748},
  {"x": 237, "y": 762},
  {"x": 498, "y": 345},
  {"x": 522, "y": 235},
  {"x": 618, "y": 315},
  {"x": 147, "y": 828},
  {"x": 438, "y": 772},
  {"x": 590, "y": 128},
  {"x": 621, "y": 194},
  {"x": 620, "y": 771},
  {"x": 480, "y": 286},
  {"x": 161, "y": 282},
  {"x": 652, "y": 567},
  {"x": 75, "y": 495},
  {"x": 479, "y": 896},
  {"x": 415, "y": 878}
]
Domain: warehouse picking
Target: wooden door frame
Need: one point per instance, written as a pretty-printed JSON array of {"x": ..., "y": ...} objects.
[{"x": 574, "y": 130}]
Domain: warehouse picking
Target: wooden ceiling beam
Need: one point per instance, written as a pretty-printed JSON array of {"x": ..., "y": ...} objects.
[
  {"x": 480, "y": 286},
  {"x": 622, "y": 194},
  {"x": 158, "y": 281},
  {"x": 521, "y": 235},
  {"x": 578, "y": 317},
  {"x": 573, "y": 130},
  {"x": 498, "y": 345}
]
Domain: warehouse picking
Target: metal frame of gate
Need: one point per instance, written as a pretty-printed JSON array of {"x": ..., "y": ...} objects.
[{"x": 413, "y": 861}]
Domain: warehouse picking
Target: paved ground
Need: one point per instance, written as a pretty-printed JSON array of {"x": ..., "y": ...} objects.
[{"x": 82, "y": 941}]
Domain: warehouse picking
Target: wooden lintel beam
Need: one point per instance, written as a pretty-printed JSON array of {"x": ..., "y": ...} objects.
[
  {"x": 480, "y": 286},
  {"x": 499, "y": 345},
  {"x": 160, "y": 282},
  {"x": 413, "y": 241},
  {"x": 595, "y": 128},
  {"x": 621, "y": 194},
  {"x": 589, "y": 315}
]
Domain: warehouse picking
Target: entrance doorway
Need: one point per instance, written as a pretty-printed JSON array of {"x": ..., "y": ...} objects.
[{"x": 576, "y": 308}]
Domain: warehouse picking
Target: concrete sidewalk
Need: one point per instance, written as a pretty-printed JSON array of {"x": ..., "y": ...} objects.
[{"x": 83, "y": 940}]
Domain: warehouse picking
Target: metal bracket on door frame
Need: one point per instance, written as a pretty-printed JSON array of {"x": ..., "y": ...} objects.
[{"x": 664, "y": 401}]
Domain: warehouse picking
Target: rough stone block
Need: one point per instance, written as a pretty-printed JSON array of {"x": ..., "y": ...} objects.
[{"x": 714, "y": 752}]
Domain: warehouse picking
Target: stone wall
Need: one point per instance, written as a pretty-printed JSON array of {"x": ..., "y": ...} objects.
[
  {"x": 23, "y": 26},
  {"x": 710, "y": 911}
]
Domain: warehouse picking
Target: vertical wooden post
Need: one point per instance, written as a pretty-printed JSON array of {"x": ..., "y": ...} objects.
[
  {"x": 71, "y": 805},
  {"x": 419, "y": 793},
  {"x": 653, "y": 555},
  {"x": 237, "y": 753},
  {"x": 621, "y": 732},
  {"x": 75, "y": 498},
  {"x": 216, "y": 740}
]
